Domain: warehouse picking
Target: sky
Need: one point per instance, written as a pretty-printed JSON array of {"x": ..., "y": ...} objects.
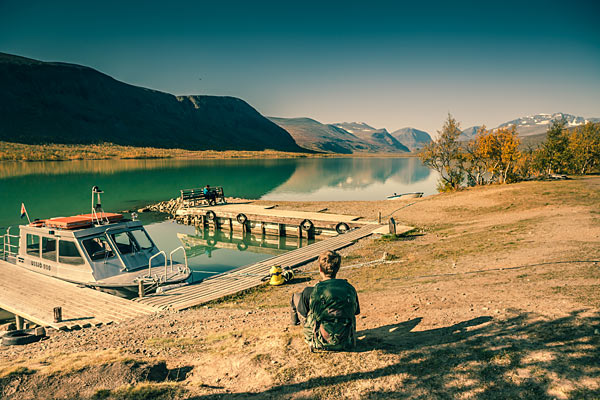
[{"x": 391, "y": 64}]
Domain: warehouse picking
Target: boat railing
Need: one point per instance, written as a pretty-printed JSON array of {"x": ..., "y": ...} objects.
[
  {"x": 8, "y": 248},
  {"x": 185, "y": 268},
  {"x": 162, "y": 252}
]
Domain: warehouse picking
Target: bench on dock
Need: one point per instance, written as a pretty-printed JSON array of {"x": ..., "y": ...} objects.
[{"x": 195, "y": 197}]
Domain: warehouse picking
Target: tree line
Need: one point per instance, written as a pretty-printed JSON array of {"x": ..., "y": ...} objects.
[{"x": 496, "y": 155}]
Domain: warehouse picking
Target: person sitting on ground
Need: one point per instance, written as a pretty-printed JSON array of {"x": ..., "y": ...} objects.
[{"x": 329, "y": 308}]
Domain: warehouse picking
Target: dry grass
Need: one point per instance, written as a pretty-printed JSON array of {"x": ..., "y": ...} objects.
[{"x": 65, "y": 152}]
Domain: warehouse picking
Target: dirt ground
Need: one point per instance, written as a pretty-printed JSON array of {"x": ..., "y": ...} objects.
[{"x": 494, "y": 295}]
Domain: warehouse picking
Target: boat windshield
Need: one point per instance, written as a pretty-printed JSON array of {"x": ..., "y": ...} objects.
[
  {"x": 142, "y": 238},
  {"x": 132, "y": 241},
  {"x": 98, "y": 248}
]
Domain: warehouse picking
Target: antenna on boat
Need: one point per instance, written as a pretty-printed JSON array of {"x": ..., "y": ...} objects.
[{"x": 97, "y": 208}]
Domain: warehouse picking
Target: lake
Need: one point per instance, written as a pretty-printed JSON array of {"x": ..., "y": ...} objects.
[{"x": 51, "y": 189}]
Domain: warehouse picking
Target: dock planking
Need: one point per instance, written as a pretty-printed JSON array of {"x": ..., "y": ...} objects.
[
  {"x": 33, "y": 296},
  {"x": 272, "y": 215},
  {"x": 250, "y": 276}
]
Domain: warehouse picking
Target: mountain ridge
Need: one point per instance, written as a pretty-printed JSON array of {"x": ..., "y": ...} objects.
[{"x": 49, "y": 102}]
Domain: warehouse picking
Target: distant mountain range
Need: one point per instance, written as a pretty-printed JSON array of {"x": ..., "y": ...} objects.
[
  {"x": 349, "y": 137},
  {"x": 380, "y": 138},
  {"x": 47, "y": 102},
  {"x": 532, "y": 125},
  {"x": 314, "y": 135}
]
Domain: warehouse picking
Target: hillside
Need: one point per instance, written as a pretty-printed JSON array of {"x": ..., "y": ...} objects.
[
  {"x": 412, "y": 138},
  {"x": 313, "y": 135},
  {"x": 380, "y": 138},
  {"x": 48, "y": 102}
]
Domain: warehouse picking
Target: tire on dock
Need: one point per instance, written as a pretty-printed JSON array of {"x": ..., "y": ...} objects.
[
  {"x": 241, "y": 218},
  {"x": 210, "y": 215},
  {"x": 307, "y": 225},
  {"x": 342, "y": 227}
]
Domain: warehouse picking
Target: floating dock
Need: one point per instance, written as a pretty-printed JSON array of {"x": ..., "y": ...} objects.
[{"x": 250, "y": 218}]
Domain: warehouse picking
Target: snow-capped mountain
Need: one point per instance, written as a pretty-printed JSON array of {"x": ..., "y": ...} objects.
[{"x": 536, "y": 124}]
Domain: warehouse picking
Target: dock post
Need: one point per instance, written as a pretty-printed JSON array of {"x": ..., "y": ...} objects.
[
  {"x": 281, "y": 229},
  {"x": 57, "y": 314},
  {"x": 392, "y": 225},
  {"x": 311, "y": 233},
  {"x": 379, "y": 217},
  {"x": 231, "y": 224},
  {"x": 299, "y": 232},
  {"x": 262, "y": 228},
  {"x": 140, "y": 289},
  {"x": 19, "y": 322}
]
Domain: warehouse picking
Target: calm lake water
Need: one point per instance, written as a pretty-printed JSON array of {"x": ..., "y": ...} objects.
[{"x": 51, "y": 189}]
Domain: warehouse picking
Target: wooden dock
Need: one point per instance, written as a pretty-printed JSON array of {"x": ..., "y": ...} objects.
[
  {"x": 33, "y": 297},
  {"x": 267, "y": 219},
  {"x": 252, "y": 275}
]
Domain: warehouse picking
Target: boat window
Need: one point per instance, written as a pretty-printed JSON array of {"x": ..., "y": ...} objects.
[
  {"x": 124, "y": 242},
  {"x": 33, "y": 245},
  {"x": 98, "y": 248},
  {"x": 49, "y": 248},
  {"x": 142, "y": 238},
  {"x": 68, "y": 253}
]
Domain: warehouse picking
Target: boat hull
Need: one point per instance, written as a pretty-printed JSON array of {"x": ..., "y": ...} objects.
[{"x": 414, "y": 195}]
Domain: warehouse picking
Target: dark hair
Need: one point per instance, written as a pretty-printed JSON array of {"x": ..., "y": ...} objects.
[{"x": 329, "y": 263}]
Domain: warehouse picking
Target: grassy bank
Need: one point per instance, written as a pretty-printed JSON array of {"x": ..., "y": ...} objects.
[
  {"x": 106, "y": 151},
  {"x": 495, "y": 295}
]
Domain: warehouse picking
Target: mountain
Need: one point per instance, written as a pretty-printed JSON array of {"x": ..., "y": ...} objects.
[
  {"x": 412, "y": 138},
  {"x": 379, "y": 138},
  {"x": 534, "y": 126},
  {"x": 334, "y": 138},
  {"x": 314, "y": 135},
  {"x": 539, "y": 123},
  {"x": 51, "y": 102},
  {"x": 469, "y": 133}
]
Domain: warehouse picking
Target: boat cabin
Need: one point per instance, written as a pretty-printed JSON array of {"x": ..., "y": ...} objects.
[{"x": 77, "y": 250}]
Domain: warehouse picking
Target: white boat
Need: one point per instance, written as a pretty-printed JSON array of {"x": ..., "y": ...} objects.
[
  {"x": 410, "y": 195},
  {"x": 101, "y": 250}
]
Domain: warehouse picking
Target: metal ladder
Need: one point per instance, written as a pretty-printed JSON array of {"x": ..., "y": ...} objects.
[{"x": 9, "y": 250}]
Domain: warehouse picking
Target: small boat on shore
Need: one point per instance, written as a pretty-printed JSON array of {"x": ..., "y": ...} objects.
[
  {"x": 100, "y": 250},
  {"x": 410, "y": 195}
]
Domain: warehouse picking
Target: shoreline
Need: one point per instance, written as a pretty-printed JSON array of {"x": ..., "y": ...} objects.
[{"x": 19, "y": 152}]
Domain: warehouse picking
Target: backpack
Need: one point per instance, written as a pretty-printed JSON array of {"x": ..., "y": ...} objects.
[{"x": 331, "y": 320}]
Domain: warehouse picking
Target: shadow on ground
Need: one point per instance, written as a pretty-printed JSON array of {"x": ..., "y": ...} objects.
[{"x": 525, "y": 356}]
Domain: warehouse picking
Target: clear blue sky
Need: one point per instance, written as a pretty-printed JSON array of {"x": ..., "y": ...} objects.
[{"x": 390, "y": 64}]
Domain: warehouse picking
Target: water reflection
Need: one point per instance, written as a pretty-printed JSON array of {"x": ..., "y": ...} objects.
[
  {"x": 355, "y": 179},
  {"x": 206, "y": 241},
  {"x": 204, "y": 259},
  {"x": 63, "y": 188}
]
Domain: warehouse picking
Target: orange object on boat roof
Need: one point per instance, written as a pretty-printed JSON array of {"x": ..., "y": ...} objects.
[
  {"x": 81, "y": 221},
  {"x": 111, "y": 217},
  {"x": 69, "y": 222}
]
